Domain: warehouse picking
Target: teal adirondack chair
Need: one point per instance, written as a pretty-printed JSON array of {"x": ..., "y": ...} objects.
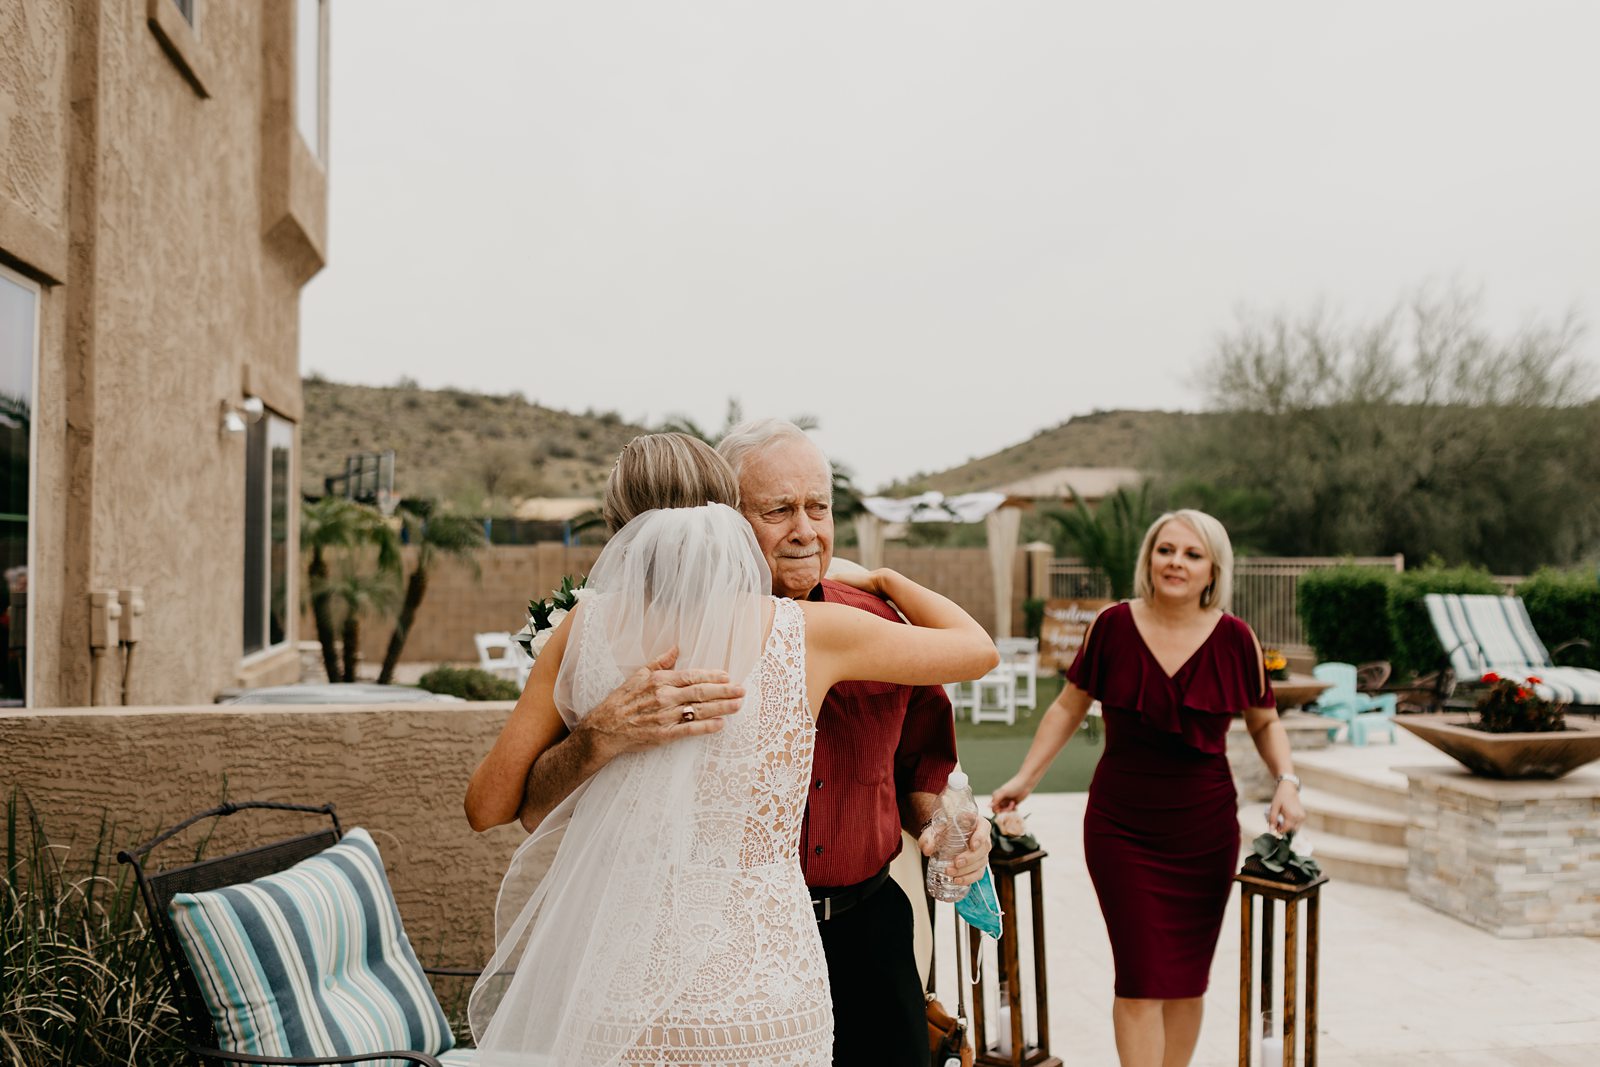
[{"x": 1358, "y": 711}]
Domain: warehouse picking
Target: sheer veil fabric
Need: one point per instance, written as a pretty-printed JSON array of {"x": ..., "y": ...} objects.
[{"x": 670, "y": 852}]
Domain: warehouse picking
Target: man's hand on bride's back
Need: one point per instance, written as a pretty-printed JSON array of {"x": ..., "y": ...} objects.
[{"x": 658, "y": 704}]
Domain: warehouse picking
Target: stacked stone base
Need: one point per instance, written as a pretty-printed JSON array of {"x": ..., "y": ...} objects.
[{"x": 1519, "y": 859}]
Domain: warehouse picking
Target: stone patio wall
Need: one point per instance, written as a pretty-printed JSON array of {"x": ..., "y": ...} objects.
[{"x": 1519, "y": 859}]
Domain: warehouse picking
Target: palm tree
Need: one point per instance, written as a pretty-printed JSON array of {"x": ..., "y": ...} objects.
[
  {"x": 846, "y": 497},
  {"x": 453, "y": 535},
  {"x": 335, "y": 527},
  {"x": 360, "y": 592},
  {"x": 1108, "y": 537}
]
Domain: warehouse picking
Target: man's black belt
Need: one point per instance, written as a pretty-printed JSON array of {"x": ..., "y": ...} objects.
[{"x": 830, "y": 903}]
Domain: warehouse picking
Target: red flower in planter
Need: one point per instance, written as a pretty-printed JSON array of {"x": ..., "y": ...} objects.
[
  {"x": 1534, "y": 679},
  {"x": 1491, "y": 678},
  {"x": 1523, "y": 694}
]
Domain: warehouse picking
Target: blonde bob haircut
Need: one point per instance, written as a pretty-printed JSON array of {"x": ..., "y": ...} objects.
[
  {"x": 666, "y": 470},
  {"x": 1213, "y": 538}
]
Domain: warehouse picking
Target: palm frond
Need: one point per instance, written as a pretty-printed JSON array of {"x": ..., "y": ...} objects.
[{"x": 1108, "y": 537}]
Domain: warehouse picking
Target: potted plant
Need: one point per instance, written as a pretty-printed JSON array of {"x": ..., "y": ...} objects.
[
  {"x": 1276, "y": 663},
  {"x": 1512, "y": 732}
]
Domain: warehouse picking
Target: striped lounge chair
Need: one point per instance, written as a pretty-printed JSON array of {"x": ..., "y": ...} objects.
[
  {"x": 293, "y": 953},
  {"x": 1483, "y": 633}
]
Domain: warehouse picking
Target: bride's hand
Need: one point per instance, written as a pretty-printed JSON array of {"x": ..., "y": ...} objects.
[{"x": 858, "y": 577}]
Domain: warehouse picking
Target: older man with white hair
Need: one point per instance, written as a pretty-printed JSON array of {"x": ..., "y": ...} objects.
[{"x": 882, "y": 755}]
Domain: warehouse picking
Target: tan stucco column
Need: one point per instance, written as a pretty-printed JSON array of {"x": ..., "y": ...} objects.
[
  {"x": 1039, "y": 554},
  {"x": 869, "y": 540},
  {"x": 1004, "y": 525}
]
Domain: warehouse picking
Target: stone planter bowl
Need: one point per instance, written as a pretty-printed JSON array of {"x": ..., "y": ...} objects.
[{"x": 1543, "y": 755}]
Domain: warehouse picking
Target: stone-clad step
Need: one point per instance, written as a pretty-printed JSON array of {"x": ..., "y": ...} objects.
[
  {"x": 1355, "y": 817},
  {"x": 1345, "y": 859},
  {"x": 1381, "y": 789},
  {"x": 1331, "y": 814}
]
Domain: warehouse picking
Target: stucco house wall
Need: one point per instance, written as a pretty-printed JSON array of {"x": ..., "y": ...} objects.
[{"x": 153, "y": 182}]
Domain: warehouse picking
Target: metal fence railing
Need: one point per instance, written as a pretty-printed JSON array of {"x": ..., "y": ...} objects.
[
  {"x": 1263, "y": 589},
  {"x": 1072, "y": 579}
]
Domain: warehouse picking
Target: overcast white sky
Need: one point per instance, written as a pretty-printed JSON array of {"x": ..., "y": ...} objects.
[{"x": 939, "y": 225}]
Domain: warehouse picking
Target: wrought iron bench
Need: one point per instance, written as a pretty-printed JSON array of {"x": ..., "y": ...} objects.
[{"x": 218, "y": 898}]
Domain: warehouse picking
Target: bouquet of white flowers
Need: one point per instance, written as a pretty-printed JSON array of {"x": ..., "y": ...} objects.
[{"x": 545, "y": 615}]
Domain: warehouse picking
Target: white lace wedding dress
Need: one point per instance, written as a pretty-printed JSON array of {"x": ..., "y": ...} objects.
[{"x": 686, "y": 935}]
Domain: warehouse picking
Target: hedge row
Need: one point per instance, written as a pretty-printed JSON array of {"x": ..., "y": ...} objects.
[
  {"x": 1564, "y": 605},
  {"x": 469, "y": 683},
  {"x": 1355, "y": 614}
]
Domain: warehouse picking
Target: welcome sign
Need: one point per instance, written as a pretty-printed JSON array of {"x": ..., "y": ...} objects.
[{"x": 1061, "y": 633}]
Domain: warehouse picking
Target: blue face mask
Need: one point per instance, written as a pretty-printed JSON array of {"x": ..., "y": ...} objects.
[{"x": 980, "y": 907}]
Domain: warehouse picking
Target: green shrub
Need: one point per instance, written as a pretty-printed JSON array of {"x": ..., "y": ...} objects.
[
  {"x": 1416, "y": 646},
  {"x": 80, "y": 982},
  {"x": 1345, "y": 612},
  {"x": 1564, "y": 605},
  {"x": 469, "y": 683},
  {"x": 1032, "y": 617}
]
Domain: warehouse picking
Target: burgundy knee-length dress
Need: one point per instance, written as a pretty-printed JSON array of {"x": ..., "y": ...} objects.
[{"x": 1161, "y": 833}]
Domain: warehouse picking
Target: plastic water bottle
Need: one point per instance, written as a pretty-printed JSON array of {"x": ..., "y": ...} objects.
[{"x": 960, "y": 819}]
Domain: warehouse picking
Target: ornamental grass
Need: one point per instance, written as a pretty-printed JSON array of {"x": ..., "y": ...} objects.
[{"x": 80, "y": 982}]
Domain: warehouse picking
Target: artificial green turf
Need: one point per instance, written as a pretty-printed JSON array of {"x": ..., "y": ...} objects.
[{"x": 991, "y": 752}]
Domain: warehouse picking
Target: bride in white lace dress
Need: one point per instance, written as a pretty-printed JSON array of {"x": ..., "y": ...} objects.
[{"x": 673, "y": 925}]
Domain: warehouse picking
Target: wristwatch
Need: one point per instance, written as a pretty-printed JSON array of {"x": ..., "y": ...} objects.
[{"x": 1295, "y": 778}]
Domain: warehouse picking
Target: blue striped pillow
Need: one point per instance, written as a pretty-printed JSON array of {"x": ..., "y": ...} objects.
[{"x": 311, "y": 961}]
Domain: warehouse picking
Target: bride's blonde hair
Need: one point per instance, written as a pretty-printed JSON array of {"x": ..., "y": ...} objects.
[{"x": 666, "y": 470}]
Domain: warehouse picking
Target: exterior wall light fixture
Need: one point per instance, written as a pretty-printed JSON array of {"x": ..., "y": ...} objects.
[{"x": 235, "y": 417}]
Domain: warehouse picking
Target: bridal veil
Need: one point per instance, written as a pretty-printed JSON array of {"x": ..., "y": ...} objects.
[{"x": 589, "y": 954}]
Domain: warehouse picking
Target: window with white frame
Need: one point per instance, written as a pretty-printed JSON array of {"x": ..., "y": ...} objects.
[
  {"x": 19, "y": 358},
  {"x": 268, "y": 497},
  {"x": 310, "y": 74}
]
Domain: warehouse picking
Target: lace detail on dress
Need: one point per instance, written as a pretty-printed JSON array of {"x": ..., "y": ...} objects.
[{"x": 755, "y": 988}]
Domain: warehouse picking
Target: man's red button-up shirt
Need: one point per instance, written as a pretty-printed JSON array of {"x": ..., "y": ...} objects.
[{"x": 875, "y": 741}]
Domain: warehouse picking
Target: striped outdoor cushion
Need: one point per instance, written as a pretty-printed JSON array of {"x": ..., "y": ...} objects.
[
  {"x": 1494, "y": 633},
  {"x": 311, "y": 961}
]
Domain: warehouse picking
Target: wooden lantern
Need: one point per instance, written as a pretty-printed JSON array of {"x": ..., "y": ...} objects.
[
  {"x": 1290, "y": 895},
  {"x": 1025, "y": 1050}
]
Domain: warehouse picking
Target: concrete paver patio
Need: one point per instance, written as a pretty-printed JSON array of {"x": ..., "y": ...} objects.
[{"x": 1402, "y": 984}]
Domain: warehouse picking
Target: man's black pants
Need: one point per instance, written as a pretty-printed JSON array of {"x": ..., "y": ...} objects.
[{"x": 880, "y": 1018}]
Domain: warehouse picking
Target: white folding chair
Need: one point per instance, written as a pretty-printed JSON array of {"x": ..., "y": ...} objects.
[
  {"x": 1021, "y": 655},
  {"x": 994, "y": 697},
  {"x": 961, "y": 697},
  {"x": 499, "y": 654}
]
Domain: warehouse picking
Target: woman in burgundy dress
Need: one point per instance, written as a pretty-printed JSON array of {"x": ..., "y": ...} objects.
[{"x": 1161, "y": 836}]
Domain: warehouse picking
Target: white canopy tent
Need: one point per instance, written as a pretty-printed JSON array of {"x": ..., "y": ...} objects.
[{"x": 1003, "y": 520}]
